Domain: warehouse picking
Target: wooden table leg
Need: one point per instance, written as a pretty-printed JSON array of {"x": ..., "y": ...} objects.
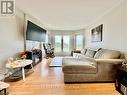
[{"x": 23, "y": 73}]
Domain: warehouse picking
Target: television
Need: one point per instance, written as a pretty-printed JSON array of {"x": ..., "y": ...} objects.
[{"x": 35, "y": 32}]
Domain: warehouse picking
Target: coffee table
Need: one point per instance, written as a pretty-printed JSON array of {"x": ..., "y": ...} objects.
[
  {"x": 20, "y": 64},
  {"x": 3, "y": 87},
  {"x": 56, "y": 62}
]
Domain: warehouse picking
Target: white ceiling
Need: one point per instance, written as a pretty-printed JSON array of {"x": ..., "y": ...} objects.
[{"x": 66, "y": 14}]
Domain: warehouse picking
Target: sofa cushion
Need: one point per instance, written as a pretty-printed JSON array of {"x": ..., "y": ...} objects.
[
  {"x": 79, "y": 69},
  {"x": 68, "y": 61},
  {"x": 77, "y": 66},
  {"x": 77, "y": 55},
  {"x": 107, "y": 54},
  {"x": 94, "y": 49},
  {"x": 90, "y": 53},
  {"x": 83, "y": 51}
]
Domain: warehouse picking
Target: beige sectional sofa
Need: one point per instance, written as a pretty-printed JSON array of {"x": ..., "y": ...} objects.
[{"x": 92, "y": 66}]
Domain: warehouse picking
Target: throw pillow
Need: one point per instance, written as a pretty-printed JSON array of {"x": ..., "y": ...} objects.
[
  {"x": 83, "y": 51},
  {"x": 90, "y": 53}
]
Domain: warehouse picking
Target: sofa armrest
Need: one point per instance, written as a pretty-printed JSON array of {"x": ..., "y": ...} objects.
[
  {"x": 115, "y": 61},
  {"x": 107, "y": 68}
]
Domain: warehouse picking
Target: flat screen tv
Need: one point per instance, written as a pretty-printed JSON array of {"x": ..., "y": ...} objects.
[{"x": 35, "y": 32}]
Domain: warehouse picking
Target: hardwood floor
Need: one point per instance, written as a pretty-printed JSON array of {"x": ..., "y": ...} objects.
[{"x": 49, "y": 81}]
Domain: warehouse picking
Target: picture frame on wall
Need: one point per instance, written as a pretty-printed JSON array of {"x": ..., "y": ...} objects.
[{"x": 96, "y": 33}]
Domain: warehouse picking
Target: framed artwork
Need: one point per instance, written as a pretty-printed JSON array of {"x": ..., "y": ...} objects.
[{"x": 96, "y": 33}]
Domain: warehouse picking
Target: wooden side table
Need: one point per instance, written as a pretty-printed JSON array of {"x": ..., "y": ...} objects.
[
  {"x": 3, "y": 87},
  {"x": 121, "y": 81},
  {"x": 75, "y": 51}
]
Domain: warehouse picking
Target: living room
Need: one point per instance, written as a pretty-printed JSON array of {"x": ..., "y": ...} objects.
[{"x": 69, "y": 27}]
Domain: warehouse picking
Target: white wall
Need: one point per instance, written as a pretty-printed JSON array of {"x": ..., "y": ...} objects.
[
  {"x": 114, "y": 29},
  {"x": 11, "y": 36}
]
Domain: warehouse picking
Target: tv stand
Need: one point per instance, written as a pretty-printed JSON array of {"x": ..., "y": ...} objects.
[{"x": 35, "y": 55}]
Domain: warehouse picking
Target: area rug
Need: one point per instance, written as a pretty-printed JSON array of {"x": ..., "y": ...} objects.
[{"x": 56, "y": 62}]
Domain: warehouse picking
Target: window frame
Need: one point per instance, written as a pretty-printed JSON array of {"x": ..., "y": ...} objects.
[
  {"x": 76, "y": 41},
  {"x": 62, "y": 42}
]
